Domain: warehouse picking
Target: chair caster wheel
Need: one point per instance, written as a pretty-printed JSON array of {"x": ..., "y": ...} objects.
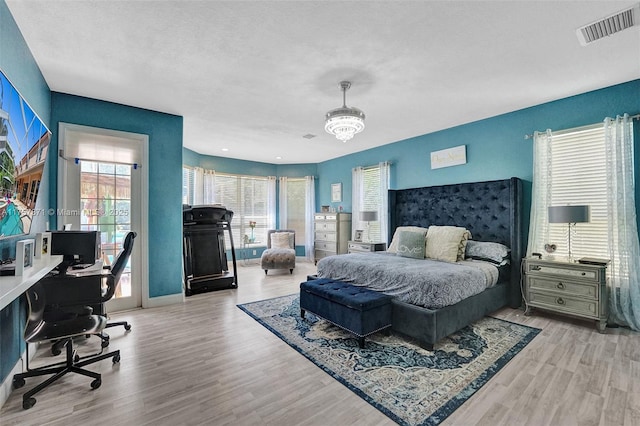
[
  {"x": 104, "y": 343},
  {"x": 55, "y": 351},
  {"x": 76, "y": 358},
  {"x": 18, "y": 383},
  {"x": 96, "y": 384},
  {"x": 116, "y": 359},
  {"x": 28, "y": 403},
  {"x": 127, "y": 327}
]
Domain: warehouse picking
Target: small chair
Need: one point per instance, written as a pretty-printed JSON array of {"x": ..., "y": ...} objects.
[
  {"x": 281, "y": 250},
  {"x": 45, "y": 325}
]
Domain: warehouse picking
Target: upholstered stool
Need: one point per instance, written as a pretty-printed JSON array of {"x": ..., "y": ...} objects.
[{"x": 356, "y": 309}]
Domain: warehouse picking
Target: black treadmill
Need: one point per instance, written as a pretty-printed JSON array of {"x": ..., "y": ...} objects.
[{"x": 203, "y": 247}]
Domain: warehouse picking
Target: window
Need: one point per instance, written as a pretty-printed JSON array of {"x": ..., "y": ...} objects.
[
  {"x": 188, "y": 185},
  {"x": 579, "y": 177},
  {"x": 295, "y": 205},
  {"x": 370, "y": 193},
  {"x": 570, "y": 169}
]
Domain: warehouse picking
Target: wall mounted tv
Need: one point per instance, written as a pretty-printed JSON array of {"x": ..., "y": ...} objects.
[{"x": 24, "y": 143}]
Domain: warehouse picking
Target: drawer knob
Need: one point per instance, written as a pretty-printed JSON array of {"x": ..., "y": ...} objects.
[
  {"x": 560, "y": 301},
  {"x": 536, "y": 268},
  {"x": 560, "y": 286},
  {"x": 584, "y": 273}
]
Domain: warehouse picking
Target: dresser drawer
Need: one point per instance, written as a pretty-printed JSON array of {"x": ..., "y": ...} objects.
[
  {"x": 330, "y": 216},
  {"x": 560, "y": 303},
  {"x": 325, "y": 236},
  {"x": 360, "y": 247},
  {"x": 560, "y": 286},
  {"x": 326, "y": 226},
  {"x": 323, "y": 245},
  {"x": 319, "y": 254}
]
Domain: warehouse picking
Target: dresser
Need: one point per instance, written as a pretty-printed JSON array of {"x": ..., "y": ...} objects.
[
  {"x": 567, "y": 288},
  {"x": 332, "y": 232},
  {"x": 362, "y": 247}
]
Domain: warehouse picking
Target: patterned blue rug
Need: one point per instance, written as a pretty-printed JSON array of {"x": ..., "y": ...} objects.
[{"x": 409, "y": 384}]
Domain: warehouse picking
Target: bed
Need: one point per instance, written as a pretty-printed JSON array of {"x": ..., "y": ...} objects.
[{"x": 491, "y": 211}]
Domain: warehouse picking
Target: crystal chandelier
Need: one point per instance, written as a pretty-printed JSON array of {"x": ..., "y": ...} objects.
[{"x": 344, "y": 122}]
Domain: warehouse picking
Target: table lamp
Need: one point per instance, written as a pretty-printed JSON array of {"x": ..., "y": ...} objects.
[
  {"x": 368, "y": 216},
  {"x": 569, "y": 215}
]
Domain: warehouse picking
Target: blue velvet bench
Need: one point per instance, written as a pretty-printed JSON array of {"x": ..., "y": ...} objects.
[{"x": 356, "y": 309}]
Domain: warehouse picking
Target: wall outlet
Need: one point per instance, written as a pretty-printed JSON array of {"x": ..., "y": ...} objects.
[{"x": 255, "y": 252}]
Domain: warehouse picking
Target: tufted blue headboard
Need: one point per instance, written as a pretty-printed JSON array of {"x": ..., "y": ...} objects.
[{"x": 490, "y": 210}]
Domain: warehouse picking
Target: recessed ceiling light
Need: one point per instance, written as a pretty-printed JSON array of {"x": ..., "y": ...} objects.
[
  {"x": 278, "y": 158},
  {"x": 225, "y": 149}
]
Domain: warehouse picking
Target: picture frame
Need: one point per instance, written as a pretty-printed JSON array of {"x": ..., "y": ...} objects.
[
  {"x": 324, "y": 209},
  {"x": 336, "y": 192},
  {"x": 24, "y": 255},
  {"x": 43, "y": 245},
  {"x": 358, "y": 235}
]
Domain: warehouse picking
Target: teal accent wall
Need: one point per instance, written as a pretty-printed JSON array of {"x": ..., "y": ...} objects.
[
  {"x": 165, "y": 176},
  {"x": 18, "y": 64},
  {"x": 496, "y": 147}
]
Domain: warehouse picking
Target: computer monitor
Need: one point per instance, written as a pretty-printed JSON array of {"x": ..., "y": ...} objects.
[{"x": 78, "y": 248}]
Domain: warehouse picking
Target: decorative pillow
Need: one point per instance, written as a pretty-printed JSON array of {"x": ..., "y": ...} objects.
[
  {"x": 281, "y": 240},
  {"x": 410, "y": 244},
  {"x": 463, "y": 245},
  {"x": 393, "y": 247},
  {"x": 491, "y": 252},
  {"x": 443, "y": 242}
]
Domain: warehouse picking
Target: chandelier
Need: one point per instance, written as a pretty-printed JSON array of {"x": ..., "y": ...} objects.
[{"x": 344, "y": 122}]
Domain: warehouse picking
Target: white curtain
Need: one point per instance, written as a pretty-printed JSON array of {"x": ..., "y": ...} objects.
[
  {"x": 309, "y": 210},
  {"x": 209, "y": 181},
  {"x": 624, "y": 269},
  {"x": 383, "y": 211},
  {"x": 198, "y": 186},
  {"x": 540, "y": 192},
  {"x": 282, "y": 204},
  {"x": 357, "y": 191},
  {"x": 271, "y": 202}
]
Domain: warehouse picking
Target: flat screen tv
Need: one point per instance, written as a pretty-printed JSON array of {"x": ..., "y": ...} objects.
[{"x": 24, "y": 143}]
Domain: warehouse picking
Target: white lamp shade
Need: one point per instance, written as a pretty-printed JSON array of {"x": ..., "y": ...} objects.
[
  {"x": 369, "y": 216},
  {"x": 568, "y": 214}
]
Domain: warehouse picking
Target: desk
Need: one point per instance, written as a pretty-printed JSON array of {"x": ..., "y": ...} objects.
[{"x": 11, "y": 287}]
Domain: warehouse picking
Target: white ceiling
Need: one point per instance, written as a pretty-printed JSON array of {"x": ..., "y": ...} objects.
[{"x": 254, "y": 77}]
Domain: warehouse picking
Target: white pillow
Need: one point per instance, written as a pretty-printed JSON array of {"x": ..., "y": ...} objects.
[
  {"x": 281, "y": 240},
  {"x": 393, "y": 247},
  {"x": 443, "y": 242}
]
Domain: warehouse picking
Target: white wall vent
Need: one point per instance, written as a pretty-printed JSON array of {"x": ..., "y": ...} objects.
[{"x": 610, "y": 25}]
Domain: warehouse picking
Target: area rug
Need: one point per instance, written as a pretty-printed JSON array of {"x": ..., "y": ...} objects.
[{"x": 409, "y": 384}]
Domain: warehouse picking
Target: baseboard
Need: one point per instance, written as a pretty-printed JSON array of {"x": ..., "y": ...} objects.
[
  {"x": 171, "y": 299},
  {"x": 7, "y": 385}
]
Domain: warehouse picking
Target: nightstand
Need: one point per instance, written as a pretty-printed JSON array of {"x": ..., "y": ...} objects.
[
  {"x": 567, "y": 288},
  {"x": 360, "y": 247}
]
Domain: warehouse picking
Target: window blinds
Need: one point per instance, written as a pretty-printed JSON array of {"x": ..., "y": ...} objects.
[{"x": 578, "y": 177}]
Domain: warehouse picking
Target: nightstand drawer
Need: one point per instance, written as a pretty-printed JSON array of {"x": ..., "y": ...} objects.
[
  {"x": 561, "y": 286},
  {"x": 581, "y": 307},
  {"x": 535, "y": 268}
]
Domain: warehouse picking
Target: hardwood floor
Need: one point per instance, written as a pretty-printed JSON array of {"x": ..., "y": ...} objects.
[{"x": 207, "y": 362}]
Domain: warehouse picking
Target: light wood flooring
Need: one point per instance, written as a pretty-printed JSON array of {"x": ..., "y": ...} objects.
[{"x": 205, "y": 362}]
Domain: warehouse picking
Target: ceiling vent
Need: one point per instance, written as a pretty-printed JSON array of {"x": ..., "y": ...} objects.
[{"x": 610, "y": 25}]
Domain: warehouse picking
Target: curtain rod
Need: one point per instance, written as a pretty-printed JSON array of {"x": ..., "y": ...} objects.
[{"x": 632, "y": 117}]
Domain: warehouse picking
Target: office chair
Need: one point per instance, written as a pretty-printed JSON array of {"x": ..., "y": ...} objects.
[
  {"x": 47, "y": 324},
  {"x": 84, "y": 292},
  {"x": 113, "y": 279}
]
